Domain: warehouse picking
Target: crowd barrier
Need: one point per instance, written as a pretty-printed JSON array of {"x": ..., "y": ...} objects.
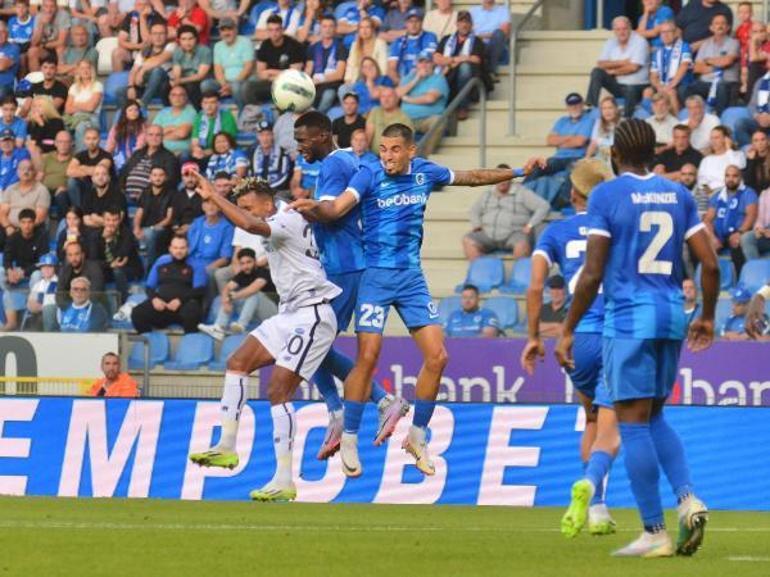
[{"x": 485, "y": 454}]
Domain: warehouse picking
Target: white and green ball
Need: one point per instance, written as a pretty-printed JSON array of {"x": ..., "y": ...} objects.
[{"x": 293, "y": 90}]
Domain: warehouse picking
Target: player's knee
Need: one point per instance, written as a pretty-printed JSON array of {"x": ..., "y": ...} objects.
[
  {"x": 277, "y": 394},
  {"x": 437, "y": 361},
  {"x": 238, "y": 363}
]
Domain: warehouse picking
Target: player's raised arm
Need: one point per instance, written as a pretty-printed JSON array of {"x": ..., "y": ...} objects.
[
  {"x": 701, "y": 333},
  {"x": 482, "y": 176},
  {"x": 326, "y": 210},
  {"x": 233, "y": 213},
  {"x": 534, "y": 347}
]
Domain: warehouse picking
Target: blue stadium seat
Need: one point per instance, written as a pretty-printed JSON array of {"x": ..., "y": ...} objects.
[
  {"x": 194, "y": 350},
  {"x": 159, "y": 348},
  {"x": 114, "y": 83},
  {"x": 229, "y": 345},
  {"x": 506, "y": 309},
  {"x": 755, "y": 274},
  {"x": 732, "y": 115},
  {"x": 486, "y": 272},
  {"x": 343, "y": 7},
  {"x": 726, "y": 275},
  {"x": 724, "y": 308},
  {"x": 683, "y": 114},
  {"x": 250, "y": 25},
  {"x": 519, "y": 279},
  {"x": 446, "y": 307}
]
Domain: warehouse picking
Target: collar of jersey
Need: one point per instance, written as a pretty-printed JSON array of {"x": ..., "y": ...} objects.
[{"x": 647, "y": 176}]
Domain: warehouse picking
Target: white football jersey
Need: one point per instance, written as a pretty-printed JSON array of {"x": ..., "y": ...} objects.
[{"x": 295, "y": 265}]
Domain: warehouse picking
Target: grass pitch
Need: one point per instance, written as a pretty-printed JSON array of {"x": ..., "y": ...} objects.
[{"x": 44, "y": 537}]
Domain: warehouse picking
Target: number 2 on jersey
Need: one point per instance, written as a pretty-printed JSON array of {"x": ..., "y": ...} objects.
[
  {"x": 648, "y": 263},
  {"x": 573, "y": 250}
]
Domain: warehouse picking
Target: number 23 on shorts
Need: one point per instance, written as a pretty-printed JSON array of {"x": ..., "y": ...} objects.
[{"x": 371, "y": 316}]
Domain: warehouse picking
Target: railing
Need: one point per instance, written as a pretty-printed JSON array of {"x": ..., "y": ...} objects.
[
  {"x": 454, "y": 105},
  {"x": 512, "y": 64},
  {"x": 145, "y": 388}
]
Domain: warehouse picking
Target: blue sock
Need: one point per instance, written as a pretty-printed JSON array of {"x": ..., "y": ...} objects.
[
  {"x": 354, "y": 410},
  {"x": 423, "y": 411},
  {"x": 340, "y": 366},
  {"x": 324, "y": 380},
  {"x": 599, "y": 464},
  {"x": 642, "y": 466},
  {"x": 378, "y": 392},
  {"x": 670, "y": 451}
]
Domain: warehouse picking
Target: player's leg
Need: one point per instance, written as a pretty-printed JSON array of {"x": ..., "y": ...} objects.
[{"x": 249, "y": 356}]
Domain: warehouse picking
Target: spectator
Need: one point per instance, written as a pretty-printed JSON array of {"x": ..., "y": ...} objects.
[
  {"x": 117, "y": 11},
  {"x": 116, "y": 250},
  {"x": 759, "y": 49},
  {"x": 304, "y": 179},
  {"x": 127, "y": 134},
  {"x": 9, "y": 121},
  {"x": 73, "y": 231},
  {"x": 53, "y": 170},
  {"x": 50, "y": 86},
  {"x": 651, "y": 22},
  {"x": 734, "y": 328},
  {"x": 243, "y": 296},
  {"x": 149, "y": 76},
  {"x": 717, "y": 67},
  {"x": 701, "y": 124},
  {"x": 289, "y": 14},
  {"x": 326, "y": 64},
  {"x": 669, "y": 163},
  {"x": 233, "y": 61},
  {"x": 227, "y": 158},
  {"x": 77, "y": 265},
  {"x": 756, "y": 175},
  {"x": 732, "y": 213},
  {"x": 175, "y": 288},
  {"x": 186, "y": 204},
  {"x": 23, "y": 249},
  {"x": 552, "y": 314},
  {"x": 406, "y": 49},
  {"x": 671, "y": 64},
  {"x": 350, "y": 23},
  {"x": 154, "y": 215},
  {"x": 759, "y": 109},
  {"x": 662, "y": 122},
  {"x": 10, "y": 58},
  {"x": 756, "y": 242},
  {"x": 622, "y": 68},
  {"x": 211, "y": 120},
  {"x": 360, "y": 147},
  {"x": 177, "y": 122},
  {"x": 387, "y": 113},
  {"x": 114, "y": 384},
  {"x": 50, "y": 35},
  {"x": 223, "y": 184},
  {"x": 191, "y": 65},
  {"x": 460, "y": 57},
  {"x": 344, "y": 126},
  {"x": 21, "y": 26},
  {"x": 743, "y": 36},
  {"x": 276, "y": 53},
  {"x": 694, "y": 20},
  {"x": 691, "y": 307},
  {"x": 26, "y": 193},
  {"x": 688, "y": 177},
  {"x": 82, "y": 315},
  {"x": 369, "y": 85},
  {"x": 135, "y": 175},
  {"x": 309, "y": 30},
  {"x": 44, "y": 124},
  {"x": 504, "y": 218},
  {"x": 78, "y": 49},
  {"x": 42, "y": 295},
  {"x": 103, "y": 194},
  {"x": 424, "y": 96},
  {"x": 10, "y": 157},
  {"x": 268, "y": 160},
  {"x": 394, "y": 25},
  {"x": 471, "y": 320},
  {"x": 492, "y": 23},
  {"x": 603, "y": 133},
  {"x": 442, "y": 20},
  {"x": 84, "y": 103},
  {"x": 189, "y": 13},
  {"x": 711, "y": 170},
  {"x": 365, "y": 45},
  {"x": 210, "y": 242},
  {"x": 81, "y": 167},
  {"x": 133, "y": 35}
]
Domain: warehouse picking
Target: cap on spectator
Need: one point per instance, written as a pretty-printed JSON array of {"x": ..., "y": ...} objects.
[
  {"x": 190, "y": 166},
  {"x": 414, "y": 13},
  {"x": 264, "y": 125},
  {"x": 48, "y": 259},
  {"x": 741, "y": 294},
  {"x": 7, "y": 134},
  {"x": 23, "y": 89},
  {"x": 464, "y": 15},
  {"x": 425, "y": 55},
  {"x": 227, "y": 22},
  {"x": 573, "y": 98},
  {"x": 588, "y": 173},
  {"x": 556, "y": 282}
]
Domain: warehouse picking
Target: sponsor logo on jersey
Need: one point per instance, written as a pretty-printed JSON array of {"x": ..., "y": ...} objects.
[{"x": 402, "y": 199}]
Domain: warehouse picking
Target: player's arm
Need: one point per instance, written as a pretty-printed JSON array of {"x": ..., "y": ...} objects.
[
  {"x": 701, "y": 333},
  {"x": 534, "y": 347},
  {"x": 481, "y": 176},
  {"x": 233, "y": 213},
  {"x": 326, "y": 210}
]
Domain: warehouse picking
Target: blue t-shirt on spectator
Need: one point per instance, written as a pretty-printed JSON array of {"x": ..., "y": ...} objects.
[
  {"x": 310, "y": 172},
  {"x": 567, "y": 126},
  {"x": 470, "y": 324},
  {"x": 9, "y": 165},
  {"x": 88, "y": 318},
  {"x": 433, "y": 82},
  {"x": 365, "y": 100},
  {"x": 734, "y": 324},
  {"x": 487, "y": 21},
  {"x": 662, "y": 14},
  {"x": 12, "y": 52},
  {"x": 208, "y": 242},
  {"x": 21, "y": 32},
  {"x": 731, "y": 210},
  {"x": 406, "y": 48},
  {"x": 18, "y": 126}
]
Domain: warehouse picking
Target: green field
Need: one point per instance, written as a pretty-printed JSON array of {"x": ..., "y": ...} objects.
[{"x": 43, "y": 537}]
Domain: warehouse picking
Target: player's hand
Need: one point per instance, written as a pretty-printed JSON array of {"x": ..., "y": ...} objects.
[
  {"x": 563, "y": 351},
  {"x": 203, "y": 187},
  {"x": 535, "y": 162},
  {"x": 701, "y": 335},
  {"x": 304, "y": 206},
  {"x": 755, "y": 317},
  {"x": 533, "y": 351}
]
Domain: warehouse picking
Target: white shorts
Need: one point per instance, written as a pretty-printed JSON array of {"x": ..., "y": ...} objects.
[{"x": 299, "y": 340}]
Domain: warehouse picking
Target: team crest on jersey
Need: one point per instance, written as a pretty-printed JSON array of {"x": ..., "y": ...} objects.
[
  {"x": 419, "y": 178},
  {"x": 432, "y": 309}
]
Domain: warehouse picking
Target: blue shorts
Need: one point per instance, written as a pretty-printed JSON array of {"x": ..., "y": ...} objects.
[
  {"x": 586, "y": 377},
  {"x": 640, "y": 368},
  {"x": 404, "y": 289},
  {"x": 344, "y": 305}
]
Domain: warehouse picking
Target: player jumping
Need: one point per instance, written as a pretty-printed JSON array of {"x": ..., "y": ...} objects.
[
  {"x": 393, "y": 196},
  {"x": 296, "y": 340},
  {"x": 564, "y": 243},
  {"x": 342, "y": 255},
  {"x": 639, "y": 223}
]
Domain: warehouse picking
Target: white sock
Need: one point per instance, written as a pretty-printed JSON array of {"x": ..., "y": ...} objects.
[
  {"x": 284, "y": 428},
  {"x": 234, "y": 396}
]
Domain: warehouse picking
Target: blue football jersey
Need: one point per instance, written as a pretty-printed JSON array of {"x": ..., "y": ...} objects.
[
  {"x": 21, "y": 32},
  {"x": 731, "y": 210},
  {"x": 341, "y": 242},
  {"x": 463, "y": 324},
  {"x": 647, "y": 219},
  {"x": 564, "y": 243},
  {"x": 393, "y": 210}
]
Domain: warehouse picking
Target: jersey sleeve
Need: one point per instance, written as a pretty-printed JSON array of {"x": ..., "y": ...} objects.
[
  {"x": 332, "y": 178},
  {"x": 361, "y": 183},
  {"x": 548, "y": 245},
  {"x": 490, "y": 320},
  {"x": 693, "y": 222},
  {"x": 598, "y": 213},
  {"x": 439, "y": 175}
]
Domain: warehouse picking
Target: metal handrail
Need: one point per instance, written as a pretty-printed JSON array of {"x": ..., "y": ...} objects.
[
  {"x": 145, "y": 389},
  {"x": 512, "y": 64},
  {"x": 454, "y": 105}
]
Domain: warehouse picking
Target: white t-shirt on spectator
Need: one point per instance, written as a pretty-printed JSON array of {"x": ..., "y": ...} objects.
[
  {"x": 664, "y": 129},
  {"x": 711, "y": 171},
  {"x": 41, "y": 288},
  {"x": 245, "y": 239},
  {"x": 83, "y": 94},
  {"x": 700, "y": 138},
  {"x": 636, "y": 50}
]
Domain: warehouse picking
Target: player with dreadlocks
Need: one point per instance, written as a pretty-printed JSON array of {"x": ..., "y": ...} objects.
[{"x": 638, "y": 224}]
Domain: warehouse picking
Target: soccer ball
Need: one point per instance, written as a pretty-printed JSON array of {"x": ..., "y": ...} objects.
[{"x": 293, "y": 90}]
